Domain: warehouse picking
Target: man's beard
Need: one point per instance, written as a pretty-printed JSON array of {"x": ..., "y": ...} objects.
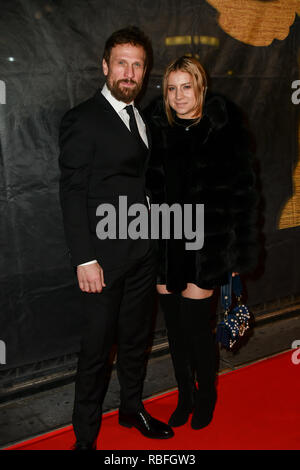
[{"x": 125, "y": 94}]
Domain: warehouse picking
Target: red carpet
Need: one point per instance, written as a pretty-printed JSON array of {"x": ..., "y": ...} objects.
[{"x": 257, "y": 408}]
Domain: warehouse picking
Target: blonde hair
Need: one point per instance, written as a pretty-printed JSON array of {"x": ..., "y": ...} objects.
[{"x": 199, "y": 81}]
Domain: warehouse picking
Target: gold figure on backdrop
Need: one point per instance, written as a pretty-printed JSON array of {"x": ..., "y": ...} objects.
[
  {"x": 258, "y": 23},
  {"x": 255, "y": 22},
  {"x": 290, "y": 215}
]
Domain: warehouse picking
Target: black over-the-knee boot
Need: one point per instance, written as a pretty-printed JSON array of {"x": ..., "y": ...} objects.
[
  {"x": 171, "y": 304},
  {"x": 197, "y": 318}
]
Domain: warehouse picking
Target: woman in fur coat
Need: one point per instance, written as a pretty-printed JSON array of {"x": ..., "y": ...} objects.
[{"x": 199, "y": 156}]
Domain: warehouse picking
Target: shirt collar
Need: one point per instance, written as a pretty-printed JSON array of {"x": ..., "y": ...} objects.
[{"x": 116, "y": 104}]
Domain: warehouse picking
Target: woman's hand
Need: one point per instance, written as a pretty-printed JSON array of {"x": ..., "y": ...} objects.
[{"x": 235, "y": 274}]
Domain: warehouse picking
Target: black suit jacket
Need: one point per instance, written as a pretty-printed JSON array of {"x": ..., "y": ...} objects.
[{"x": 100, "y": 160}]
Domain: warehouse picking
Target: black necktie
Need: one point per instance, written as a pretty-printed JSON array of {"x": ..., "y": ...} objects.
[{"x": 132, "y": 123}]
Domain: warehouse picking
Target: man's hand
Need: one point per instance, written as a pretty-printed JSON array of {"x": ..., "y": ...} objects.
[{"x": 90, "y": 278}]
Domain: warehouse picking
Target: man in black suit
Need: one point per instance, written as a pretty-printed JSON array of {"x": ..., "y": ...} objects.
[{"x": 104, "y": 152}]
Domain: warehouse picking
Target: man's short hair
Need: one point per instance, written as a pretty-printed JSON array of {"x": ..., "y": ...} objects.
[{"x": 129, "y": 35}]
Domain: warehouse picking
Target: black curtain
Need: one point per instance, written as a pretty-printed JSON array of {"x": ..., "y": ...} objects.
[{"x": 50, "y": 57}]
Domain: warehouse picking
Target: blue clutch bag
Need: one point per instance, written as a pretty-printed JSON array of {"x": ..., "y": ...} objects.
[{"x": 236, "y": 319}]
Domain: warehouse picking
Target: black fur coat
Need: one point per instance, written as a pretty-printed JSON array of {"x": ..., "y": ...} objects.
[{"x": 209, "y": 164}]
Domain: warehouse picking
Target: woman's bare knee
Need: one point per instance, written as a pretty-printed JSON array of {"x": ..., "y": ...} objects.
[
  {"x": 194, "y": 292},
  {"x": 162, "y": 289}
]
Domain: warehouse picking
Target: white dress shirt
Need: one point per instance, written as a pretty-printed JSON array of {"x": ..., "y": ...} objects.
[{"x": 119, "y": 107}]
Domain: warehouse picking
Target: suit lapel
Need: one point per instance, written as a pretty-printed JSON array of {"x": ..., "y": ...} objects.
[{"x": 107, "y": 107}]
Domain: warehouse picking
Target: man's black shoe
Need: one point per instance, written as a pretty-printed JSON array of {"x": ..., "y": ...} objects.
[
  {"x": 148, "y": 426},
  {"x": 84, "y": 446}
]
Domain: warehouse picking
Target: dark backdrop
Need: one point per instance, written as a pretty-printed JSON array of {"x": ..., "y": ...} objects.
[{"x": 50, "y": 53}]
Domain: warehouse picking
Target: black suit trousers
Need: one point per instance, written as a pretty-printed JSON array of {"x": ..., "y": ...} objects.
[{"x": 123, "y": 310}]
